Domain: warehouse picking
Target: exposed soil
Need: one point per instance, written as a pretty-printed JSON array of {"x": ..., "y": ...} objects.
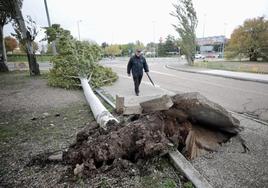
[
  {"x": 187, "y": 121},
  {"x": 36, "y": 120}
]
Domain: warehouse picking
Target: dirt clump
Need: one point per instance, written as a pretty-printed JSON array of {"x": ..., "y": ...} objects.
[{"x": 141, "y": 139}]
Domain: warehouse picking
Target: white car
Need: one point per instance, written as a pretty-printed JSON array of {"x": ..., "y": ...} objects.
[{"x": 199, "y": 56}]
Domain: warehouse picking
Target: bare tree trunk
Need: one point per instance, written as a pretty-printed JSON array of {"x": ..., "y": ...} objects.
[
  {"x": 33, "y": 65},
  {"x": 3, "y": 57},
  {"x": 189, "y": 60}
]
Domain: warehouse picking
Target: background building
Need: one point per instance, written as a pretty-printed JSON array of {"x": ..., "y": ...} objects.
[{"x": 211, "y": 47}]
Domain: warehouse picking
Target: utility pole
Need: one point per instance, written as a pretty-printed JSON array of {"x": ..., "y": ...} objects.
[
  {"x": 54, "y": 51},
  {"x": 78, "y": 29},
  {"x": 204, "y": 22},
  {"x": 223, "y": 44},
  {"x": 154, "y": 38}
]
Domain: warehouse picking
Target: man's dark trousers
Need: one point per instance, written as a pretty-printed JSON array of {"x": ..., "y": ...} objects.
[{"x": 137, "y": 82}]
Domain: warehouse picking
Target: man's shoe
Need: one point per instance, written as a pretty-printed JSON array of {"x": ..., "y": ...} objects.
[{"x": 137, "y": 94}]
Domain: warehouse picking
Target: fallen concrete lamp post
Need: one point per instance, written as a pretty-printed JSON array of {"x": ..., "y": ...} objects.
[{"x": 101, "y": 114}]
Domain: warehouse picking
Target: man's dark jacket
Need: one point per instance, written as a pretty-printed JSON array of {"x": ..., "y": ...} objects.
[{"x": 136, "y": 64}]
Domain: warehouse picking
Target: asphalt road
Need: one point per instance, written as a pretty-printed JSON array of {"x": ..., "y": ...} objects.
[
  {"x": 250, "y": 98},
  {"x": 246, "y": 97}
]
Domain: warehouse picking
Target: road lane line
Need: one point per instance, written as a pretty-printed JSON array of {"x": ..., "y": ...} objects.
[{"x": 148, "y": 83}]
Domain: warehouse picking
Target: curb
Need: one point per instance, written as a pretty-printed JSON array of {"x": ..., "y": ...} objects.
[
  {"x": 219, "y": 75},
  {"x": 98, "y": 91}
]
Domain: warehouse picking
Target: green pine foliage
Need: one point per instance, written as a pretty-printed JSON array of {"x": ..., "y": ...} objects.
[{"x": 77, "y": 59}]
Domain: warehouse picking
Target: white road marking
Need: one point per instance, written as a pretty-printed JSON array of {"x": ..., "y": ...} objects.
[{"x": 147, "y": 83}]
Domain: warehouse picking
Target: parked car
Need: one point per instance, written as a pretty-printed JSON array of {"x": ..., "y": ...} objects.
[{"x": 199, "y": 56}]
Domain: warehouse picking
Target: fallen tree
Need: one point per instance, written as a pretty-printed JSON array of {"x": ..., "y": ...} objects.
[
  {"x": 77, "y": 59},
  {"x": 74, "y": 63},
  {"x": 101, "y": 114}
]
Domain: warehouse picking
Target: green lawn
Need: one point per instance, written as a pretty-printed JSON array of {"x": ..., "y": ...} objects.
[
  {"x": 253, "y": 67},
  {"x": 23, "y": 58}
]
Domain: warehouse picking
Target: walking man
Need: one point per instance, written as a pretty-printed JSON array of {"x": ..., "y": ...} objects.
[{"x": 136, "y": 65}]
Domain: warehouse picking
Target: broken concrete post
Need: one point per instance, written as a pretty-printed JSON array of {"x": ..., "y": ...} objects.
[
  {"x": 122, "y": 108},
  {"x": 119, "y": 104},
  {"x": 101, "y": 114},
  {"x": 162, "y": 103},
  {"x": 189, "y": 171}
]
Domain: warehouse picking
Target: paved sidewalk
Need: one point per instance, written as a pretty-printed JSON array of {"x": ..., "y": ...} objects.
[
  {"x": 124, "y": 87},
  {"x": 229, "y": 167},
  {"x": 262, "y": 78}
]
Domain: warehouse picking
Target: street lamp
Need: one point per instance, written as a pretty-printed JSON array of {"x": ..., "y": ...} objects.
[
  {"x": 154, "y": 38},
  {"x": 78, "y": 29},
  {"x": 54, "y": 51},
  {"x": 204, "y": 25},
  {"x": 223, "y": 44}
]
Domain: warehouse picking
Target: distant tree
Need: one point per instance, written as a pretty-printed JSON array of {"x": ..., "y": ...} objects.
[
  {"x": 139, "y": 45},
  {"x": 161, "y": 49},
  {"x": 23, "y": 48},
  {"x": 249, "y": 40},
  {"x": 124, "y": 49},
  {"x": 150, "y": 45},
  {"x": 10, "y": 43},
  {"x": 127, "y": 49},
  {"x": 112, "y": 50},
  {"x": 187, "y": 23},
  {"x": 170, "y": 44},
  {"x": 5, "y": 17},
  {"x": 151, "y": 48},
  {"x": 131, "y": 48}
]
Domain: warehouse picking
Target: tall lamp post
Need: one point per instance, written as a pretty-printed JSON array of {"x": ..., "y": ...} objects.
[
  {"x": 204, "y": 22},
  {"x": 78, "y": 29},
  {"x": 154, "y": 38},
  {"x": 223, "y": 44},
  {"x": 54, "y": 51}
]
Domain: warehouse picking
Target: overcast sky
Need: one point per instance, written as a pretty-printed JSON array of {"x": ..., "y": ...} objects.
[{"x": 123, "y": 21}]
